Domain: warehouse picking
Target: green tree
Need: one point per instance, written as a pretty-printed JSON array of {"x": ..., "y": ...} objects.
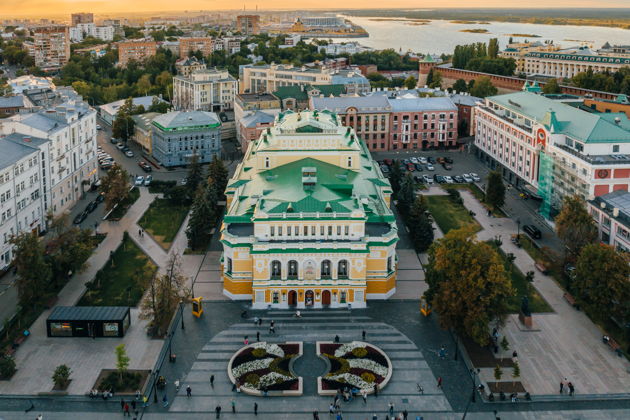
[
  {"x": 498, "y": 373},
  {"x": 495, "y": 190},
  {"x": 516, "y": 371},
  {"x": 33, "y": 272},
  {"x": 411, "y": 82},
  {"x": 123, "y": 126},
  {"x": 61, "y": 376},
  {"x": 202, "y": 216},
  {"x": 195, "y": 175},
  {"x": 601, "y": 281},
  {"x": 7, "y": 367},
  {"x": 460, "y": 86},
  {"x": 159, "y": 106},
  {"x": 395, "y": 177},
  {"x": 122, "y": 360},
  {"x": 552, "y": 87},
  {"x": 436, "y": 79},
  {"x": 574, "y": 226},
  {"x": 115, "y": 186},
  {"x": 505, "y": 344},
  {"x": 468, "y": 285},
  {"x": 493, "y": 48},
  {"x": 407, "y": 194},
  {"x": 218, "y": 173},
  {"x": 483, "y": 87},
  {"x": 420, "y": 225}
]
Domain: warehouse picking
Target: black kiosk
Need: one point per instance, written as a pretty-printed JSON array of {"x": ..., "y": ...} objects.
[{"x": 88, "y": 321}]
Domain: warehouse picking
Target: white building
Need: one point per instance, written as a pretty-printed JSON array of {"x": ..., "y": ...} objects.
[
  {"x": 70, "y": 130},
  {"x": 83, "y": 30},
  {"x": 28, "y": 82},
  {"x": 108, "y": 111},
  {"x": 23, "y": 187},
  {"x": 342, "y": 48},
  {"x": 204, "y": 90},
  {"x": 611, "y": 213},
  {"x": 568, "y": 63}
]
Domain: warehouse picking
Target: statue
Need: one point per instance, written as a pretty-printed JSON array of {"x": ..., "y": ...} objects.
[{"x": 525, "y": 306}]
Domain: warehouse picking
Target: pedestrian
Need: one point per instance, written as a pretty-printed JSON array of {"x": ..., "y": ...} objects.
[
  {"x": 272, "y": 329},
  {"x": 338, "y": 416},
  {"x": 257, "y": 335},
  {"x": 122, "y": 404},
  {"x": 255, "y": 409},
  {"x": 217, "y": 410},
  {"x": 375, "y": 390},
  {"x": 331, "y": 409},
  {"x": 126, "y": 410},
  {"x": 139, "y": 232},
  {"x": 561, "y": 386},
  {"x": 391, "y": 408},
  {"x": 138, "y": 395},
  {"x": 246, "y": 340},
  {"x": 571, "y": 389},
  {"x": 260, "y": 320},
  {"x": 439, "y": 384},
  {"x": 164, "y": 401},
  {"x": 188, "y": 391},
  {"x": 405, "y": 413},
  {"x": 212, "y": 381},
  {"x": 40, "y": 417},
  {"x": 315, "y": 415},
  {"x": 133, "y": 405},
  {"x": 364, "y": 396},
  {"x": 363, "y": 335},
  {"x": 442, "y": 352},
  {"x": 145, "y": 401},
  {"x": 374, "y": 417},
  {"x": 233, "y": 406},
  {"x": 272, "y": 323},
  {"x": 255, "y": 320}
]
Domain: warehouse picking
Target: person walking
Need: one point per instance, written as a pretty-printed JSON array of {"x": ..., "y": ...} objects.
[
  {"x": 246, "y": 340},
  {"x": 331, "y": 409},
  {"x": 375, "y": 390},
  {"x": 255, "y": 320},
  {"x": 217, "y": 410},
  {"x": 364, "y": 396},
  {"x": 145, "y": 401},
  {"x": 336, "y": 338},
  {"x": 374, "y": 417},
  {"x": 571, "y": 389},
  {"x": 233, "y": 406},
  {"x": 405, "y": 413},
  {"x": 164, "y": 401},
  {"x": 212, "y": 381},
  {"x": 126, "y": 412},
  {"x": 260, "y": 320},
  {"x": 363, "y": 335},
  {"x": 391, "y": 408},
  {"x": 255, "y": 409},
  {"x": 122, "y": 405},
  {"x": 257, "y": 335},
  {"x": 439, "y": 384},
  {"x": 315, "y": 415},
  {"x": 188, "y": 391},
  {"x": 133, "y": 405}
]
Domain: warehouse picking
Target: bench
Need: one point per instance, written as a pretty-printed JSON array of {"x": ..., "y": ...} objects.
[
  {"x": 571, "y": 300},
  {"x": 541, "y": 267},
  {"x": 614, "y": 346}
]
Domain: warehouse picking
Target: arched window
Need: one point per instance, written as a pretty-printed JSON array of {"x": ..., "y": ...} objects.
[
  {"x": 276, "y": 269},
  {"x": 342, "y": 269},
  {"x": 326, "y": 269},
  {"x": 293, "y": 269},
  {"x": 389, "y": 264},
  {"x": 267, "y": 162}
]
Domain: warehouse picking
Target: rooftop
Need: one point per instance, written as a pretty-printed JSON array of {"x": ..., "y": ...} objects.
[
  {"x": 16, "y": 146},
  {"x": 363, "y": 104},
  {"x": 301, "y": 93},
  {"x": 88, "y": 313},
  {"x": 143, "y": 121},
  {"x": 405, "y": 104},
  {"x": 615, "y": 200},
  {"x": 186, "y": 120},
  {"x": 12, "y": 101},
  {"x": 146, "y": 101},
  {"x": 257, "y": 117}
]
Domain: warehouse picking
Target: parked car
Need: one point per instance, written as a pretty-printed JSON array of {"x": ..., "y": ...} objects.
[
  {"x": 388, "y": 162},
  {"x": 80, "y": 217},
  {"x": 458, "y": 179},
  {"x": 411, "y": 167},
  {"x": 430, "y": 167},
  {"x": 431, "y": 160},
  {"x": 95, "y": 185},
  {"x": 467, "y": 178},
  {"x": 139, "y": 180},
  {"x": 448, "y": 179},
  {"x": 418, "y": 178},
  {"x": 447, "y": 159},
  {"x": 148, "y": 180},
  {"x": 532, "y": 231},
  {"x": 106, "y": 165},
  {"x": 120, "y": 146},
  {"x": 145, "y": 166},
  {"x": 406, "y": 161},
  {"x": 422, "y": 159},
  {"x": 440, "y": 160},
  {"x": 418, "y": 167},
  {"x": 98, "y": 127},
  {"x": 100, "y": 198},
  {"x": 184, "y": 181},
  {"x": 475, "y": 177},
  {"x": 447, "y": 166},
  {"x": 129, "y": 153},
  {"x": 427, "y": 179},
  {"x": 438, "y": 178},
  {"x": 384, "y": 169},
  {"x": 414, "y": 160},
  {"x": 91, "y": 206},
  {"x": 113, "y": 140}
]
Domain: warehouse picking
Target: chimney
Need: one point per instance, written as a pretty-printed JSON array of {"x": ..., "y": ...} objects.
[
  {"x": 616, "y": 212},
  {"x": 617, "y": 120},
  {"x": 602, "y": 205}
]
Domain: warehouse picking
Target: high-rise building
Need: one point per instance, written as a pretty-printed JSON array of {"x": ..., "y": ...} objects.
[
  {"x": 78, "y": 18},
  {"x": 137, "y": 50},
  {"x": 248, "y": 24},
  {"x": 50, "y": 47},
  {"x": 308, "y": 221},
  {"x": 204, "y": 90},
  {"x": 188, "y": 44}
]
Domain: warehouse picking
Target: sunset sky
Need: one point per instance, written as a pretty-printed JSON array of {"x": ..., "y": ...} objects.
[{"x": 56, "y": 7}]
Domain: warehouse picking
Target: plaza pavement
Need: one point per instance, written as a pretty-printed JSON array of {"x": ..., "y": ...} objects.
[{"x": 564, "y": 343}]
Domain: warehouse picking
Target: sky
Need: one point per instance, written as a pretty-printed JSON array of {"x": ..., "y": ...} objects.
[{"x": 56, "y": 7}]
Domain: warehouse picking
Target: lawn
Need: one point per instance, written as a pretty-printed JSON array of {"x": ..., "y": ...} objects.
[
  {"x": 123, "y": 281},
  {"x": 522, "y": 288},
  {"x": 163, "y": 219},
  {"x": 477, "y": 192},
  {"x": 448, "y": 214},
  {"x": 124, "y": 205}
]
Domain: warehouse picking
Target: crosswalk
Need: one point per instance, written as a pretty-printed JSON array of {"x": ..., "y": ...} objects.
[{"x": 409, "y": 369}]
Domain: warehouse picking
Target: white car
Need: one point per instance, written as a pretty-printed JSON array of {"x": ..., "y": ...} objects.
[
  {"x": 475, "y": 177},
  {"x": 129, "y": 153},
  {"x": 467, "y": 178},
  {"x": 427, "y": 179},
  {"x": 430, "y": 168},
  {"x": 448, "y": 179},
  {"x": 423, "y": 160},
  {"x": 414, "y": 160},
  {"x": 147, "y": 180},
  {"x": 98, "y": 127},
  {"x": 139, "y": 180}
]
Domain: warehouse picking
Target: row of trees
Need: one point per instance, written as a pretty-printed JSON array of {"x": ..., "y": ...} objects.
[
  {"x": 483, "y": 58},
  {"x": 617, "y": 82},
  {"x": 377, "y": 80},
  {"x": 480, "y": 87}
]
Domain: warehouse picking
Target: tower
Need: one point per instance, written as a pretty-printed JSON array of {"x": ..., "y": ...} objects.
[{"x": 424, "y": 67}]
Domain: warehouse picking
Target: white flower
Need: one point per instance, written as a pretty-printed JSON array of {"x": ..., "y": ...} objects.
[
  {"x": 251, "y": 366},
  {"x": 370, "y": 365},
  {"x": 347, "y": 348},
  {"x": 269, "y": 348},
  {"x": 271, "y": 378},
  {"x": 352, "y": 380}
]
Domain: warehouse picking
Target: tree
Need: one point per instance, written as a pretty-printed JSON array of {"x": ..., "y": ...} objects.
[
  {"x": 219, "y": 175},
  {"x": 574, "y": 226},
  {"x": 195, "y": 175},
  {"x": 7, "y": 367},
  {"x": 165, "y": 293},
  {"x": 516, "y": 371},
  {"x": 115, "y": 185},
  {"x": 468, "y": 285},
  {"x": 202, "y": 215},
  {"x": 159, "y": 106},
  {"x": 495, "y": 190},
  {"x": 601, "y": 281},
  {"x": 460, "y": 86},
  {"x": 61, "y": 377},
  {"x": 122, "y": 360},
  {"x": 483, "y": 87},
  {"x": 123, "y": 126},
  {"x": 420, "y": 225},
  {"x": 34, "y": 273},
  {"x": 411, "y": 82},
  {"x": 406, "y": 195},
  {"x": 68, "y": 247},
  {"x": 395, "y": 177},
  {"x": 552, "y": 87},
  {"x": 505, "y": 344},
  {"x": 493, "y": 48},
  {"x": 498, "y": 373},
  {"x": 436, "y": 79}
]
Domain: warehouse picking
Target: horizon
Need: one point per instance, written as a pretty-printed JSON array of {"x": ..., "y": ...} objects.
[{"x": 33, "y": 8}]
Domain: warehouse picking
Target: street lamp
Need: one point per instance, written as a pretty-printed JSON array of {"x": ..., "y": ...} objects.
[
  {"x": 170, "y": 339},
  {"x": 181, "y": 312},
  {"x": 518, "y": 228},
  {"x": 474, "y": 373},
  {"x": 155, "y": 379}
]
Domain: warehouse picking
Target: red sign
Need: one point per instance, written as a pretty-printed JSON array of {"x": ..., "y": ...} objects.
[{"x": 541, "y": 137}]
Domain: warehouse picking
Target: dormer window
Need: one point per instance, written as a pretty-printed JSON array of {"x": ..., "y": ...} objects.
[
  {"x": 267, "y": 162},
  {"x": 349, "y": 161}
]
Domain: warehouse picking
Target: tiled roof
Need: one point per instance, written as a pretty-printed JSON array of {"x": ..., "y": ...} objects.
[{"x": 184, "y": 119}]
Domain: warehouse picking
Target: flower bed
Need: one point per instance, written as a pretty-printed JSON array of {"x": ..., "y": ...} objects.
[
  {"x": 261, "y": 367},
  {"x": 355, "y": 365}
]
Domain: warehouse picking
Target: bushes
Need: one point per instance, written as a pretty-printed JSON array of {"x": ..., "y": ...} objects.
[
  {"x": 161, "y": 187},
  {"x": 117, "y": 383},
  {"x": 61, "y": 377},
  {"x": 7, "y": 367}
]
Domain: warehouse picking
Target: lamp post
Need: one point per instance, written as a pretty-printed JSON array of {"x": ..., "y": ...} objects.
[
  {"x": 170, "y": 339},
  {"x": 155, "y": 379},
  {"x": 518, "y": 228},
  {"x": 181, "y": 312},
  {"x": 474, "y": 373}
]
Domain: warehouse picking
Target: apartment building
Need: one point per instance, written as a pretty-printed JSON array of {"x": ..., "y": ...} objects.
[
  {"x": 611, "y": 213},
  {"x": 568, "y": 63},
  {"x": 186, "y": 66},
  {"x": 23, "y": 189},
  {"x": 83, "y": 30},
  {"x": 253, "y": 113},
  {"x": 194, "y": 44},
  {"x": 248, "y": 24},
  {"x": 552, "y": 148},
  {"x": 518, "y": 51},
  {"x": 50, "y": 47},
  {"x": 79, "y": 18},
  {"x": 137, "y": 50},
  {"x": 204, "y": 90}
]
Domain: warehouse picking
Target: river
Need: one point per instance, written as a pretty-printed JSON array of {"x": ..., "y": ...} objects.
[{"x": 441, "y": 36}]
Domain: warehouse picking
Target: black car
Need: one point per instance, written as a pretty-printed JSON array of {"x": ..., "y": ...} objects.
[
  {"x": 100, "y": 198},
  {"x": 418, "y": 167},
  {"x": 439, "y": 179},
  {"x": 532, "y": 231},
  {"x": 448, "y": 159},
  {"x": 80, "y": 217},
  {"x": 431, "y": 160},
  {"x": 447, "y": 166},
  {"x": 91, "y": 207}
]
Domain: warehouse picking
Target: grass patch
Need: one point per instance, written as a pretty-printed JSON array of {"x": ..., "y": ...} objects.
[
  {"x": 448, "y": 214},
  {"x": 123, "y": 206},
  {"x": 161, "y": 187},
  {"x": 522, "y": 287},
  {"x": 163, "y": 219},
  {"x": 120, "y": 282},
  {"x": 478, "y": 193}
]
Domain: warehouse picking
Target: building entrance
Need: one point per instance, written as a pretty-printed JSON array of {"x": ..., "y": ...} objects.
[
  {"x": 326, "y": 297},
  {"x": 292, "y": 298},
  {"x": 309, "y": 298}
]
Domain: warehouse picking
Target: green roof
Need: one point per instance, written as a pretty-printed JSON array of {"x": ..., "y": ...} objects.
[
  {"x": 561, "y": 118},
  {"x": 300, "y": 93}
]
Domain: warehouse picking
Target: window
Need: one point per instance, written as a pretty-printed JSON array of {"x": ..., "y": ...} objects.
[
  {"x": 349, "y": 161},
  {"x": 329, "y": 230},
  {"x": 267, "y": 162},
  {"x": 615, "y": 148},
  {"x": 273, "y": 230},
  {"x": 325, "y": 269},
  {"x": 321, "y": 230},
  {"x": 342, "y": 269},
  {"x": 293, "y": 269},
  {"x": 305, "y": 230},
  {"x": 343, "y": 297},
  {"x": 338, "y": 230},
  {"x": 389, "y": 264},
  {"x": 228, "y": 266},
  {"x": 276, "y": 269},
  {"x": 347, "y": 230},
  {"x": 279, "y": 230},
  {"x": 296, "y": 230},
  {"x": 312, "y": 230}
]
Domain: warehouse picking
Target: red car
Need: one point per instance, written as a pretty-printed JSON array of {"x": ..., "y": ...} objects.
[{"x": 411, "y": 167}]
